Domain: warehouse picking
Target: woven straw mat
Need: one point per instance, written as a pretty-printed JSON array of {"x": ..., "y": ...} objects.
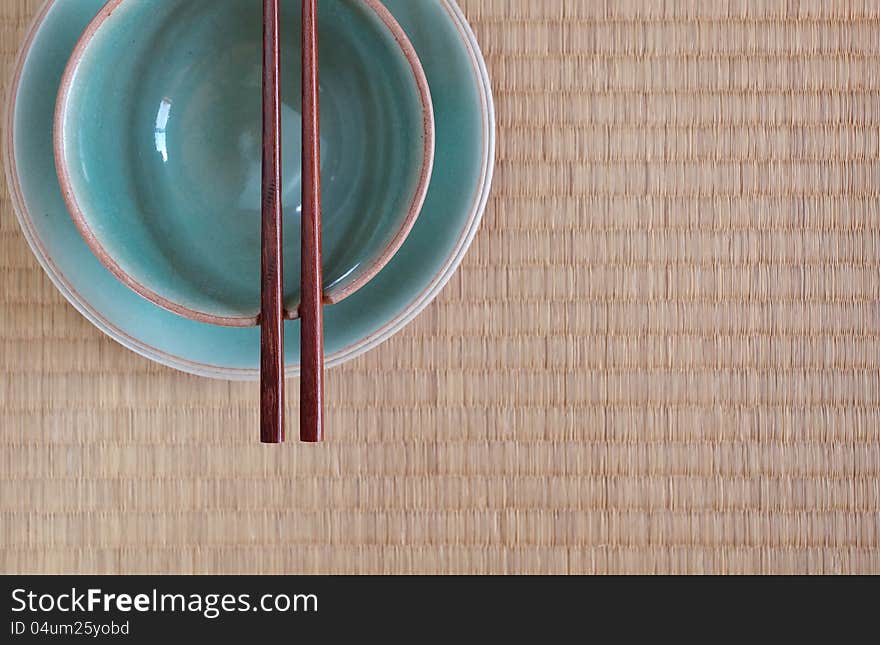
[{"x": 660, "y": 355}]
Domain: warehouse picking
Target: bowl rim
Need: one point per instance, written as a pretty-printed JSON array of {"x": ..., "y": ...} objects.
[{"x": 331, "y": 296}]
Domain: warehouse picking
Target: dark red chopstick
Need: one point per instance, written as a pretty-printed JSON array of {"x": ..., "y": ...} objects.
[
  {"x": 311, "y": 312},
  {"x": 271, "y": 307}
]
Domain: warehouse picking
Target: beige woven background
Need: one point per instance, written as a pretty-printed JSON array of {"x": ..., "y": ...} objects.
[{"x": 661, "y": 354}]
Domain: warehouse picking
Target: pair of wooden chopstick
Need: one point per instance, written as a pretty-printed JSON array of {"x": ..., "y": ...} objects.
[{"x": 272, "y": 302}]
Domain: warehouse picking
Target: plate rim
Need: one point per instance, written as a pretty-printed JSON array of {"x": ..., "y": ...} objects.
[{"x": 406, "y": 315}]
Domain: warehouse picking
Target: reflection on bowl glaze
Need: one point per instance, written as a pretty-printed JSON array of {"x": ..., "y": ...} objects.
[{"x": 159, "y": 154}]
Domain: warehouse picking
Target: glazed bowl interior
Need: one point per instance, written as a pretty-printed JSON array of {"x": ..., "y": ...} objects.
[{"x": 158, "y": 145}]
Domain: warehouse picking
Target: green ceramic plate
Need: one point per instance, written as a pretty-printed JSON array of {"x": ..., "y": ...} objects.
[{"x": 465, "y": 140}]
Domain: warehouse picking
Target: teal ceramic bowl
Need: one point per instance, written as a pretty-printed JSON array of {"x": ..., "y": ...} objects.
[{"x": 158, "y": 148}]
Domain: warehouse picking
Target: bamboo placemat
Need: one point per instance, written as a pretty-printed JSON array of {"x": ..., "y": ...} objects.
[{"x": 661, "y": 354}]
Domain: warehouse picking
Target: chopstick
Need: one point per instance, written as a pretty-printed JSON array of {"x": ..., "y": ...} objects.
[
  {"x": 272, "y": 278},
  {"x": 311, "y": 312}
]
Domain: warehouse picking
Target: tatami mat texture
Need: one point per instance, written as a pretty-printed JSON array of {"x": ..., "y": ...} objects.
[{"x": 662, "y": 353}]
